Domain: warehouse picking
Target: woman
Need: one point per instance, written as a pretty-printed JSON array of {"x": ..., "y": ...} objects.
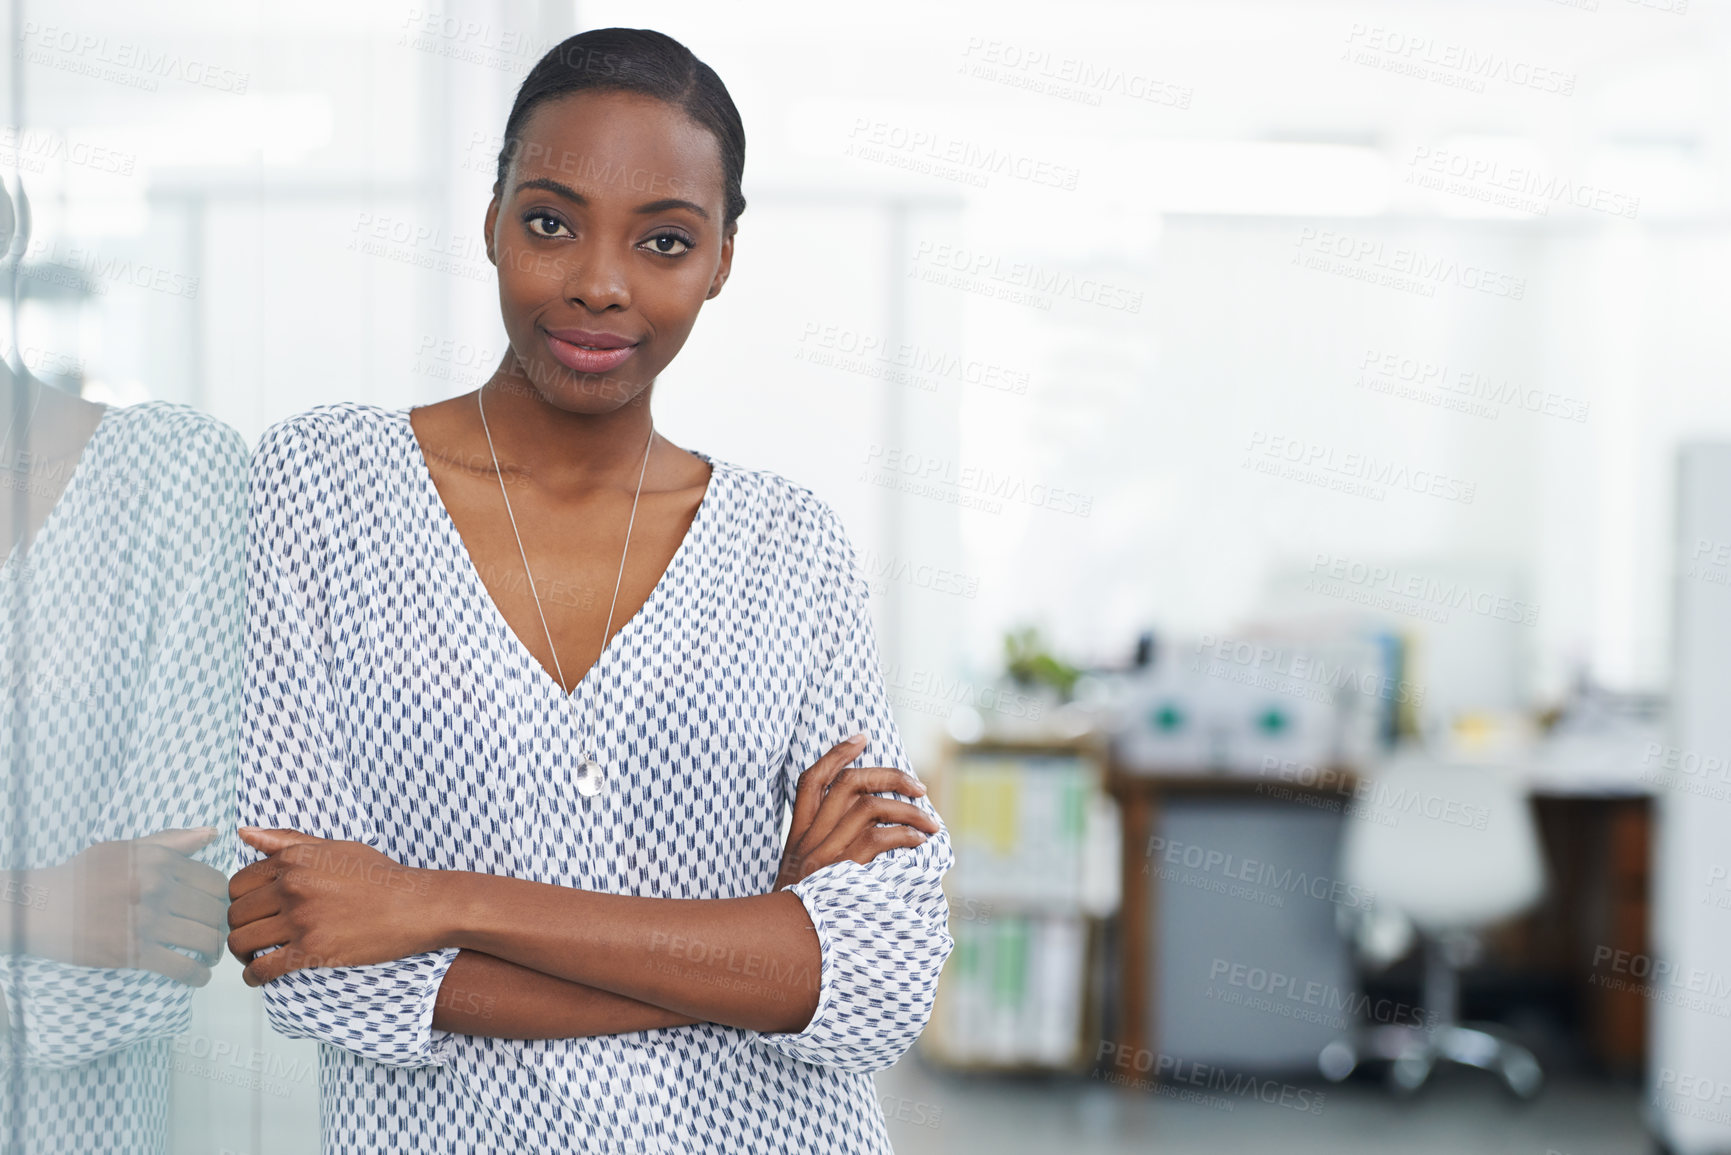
[
  {"x": 523, "y": 869},
  {"x": 120, "y": 620}
]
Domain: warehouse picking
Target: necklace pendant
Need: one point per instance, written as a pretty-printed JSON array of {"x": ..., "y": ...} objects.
[{"x": 590, "y": 779}]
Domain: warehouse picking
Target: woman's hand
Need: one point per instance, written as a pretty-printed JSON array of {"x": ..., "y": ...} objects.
[
  {"x": 837, "y": 814},
  {"x": 324, "y": 903},
  {"x": 124, "y": 904}
]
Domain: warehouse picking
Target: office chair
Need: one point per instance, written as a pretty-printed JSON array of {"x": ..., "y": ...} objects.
[{"x": 1445, "y": 849}]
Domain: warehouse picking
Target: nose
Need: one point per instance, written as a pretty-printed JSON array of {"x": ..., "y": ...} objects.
[{"x": 596, "y": 280}]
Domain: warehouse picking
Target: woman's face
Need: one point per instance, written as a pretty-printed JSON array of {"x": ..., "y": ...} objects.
[{"x": 607, "y": 235}]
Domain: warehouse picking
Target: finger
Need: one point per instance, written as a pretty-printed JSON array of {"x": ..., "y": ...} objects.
[
  {"x": 254, "y": 875},
  {"x": 885, "y": 779},
  {"x": 862, "y": 819},
  {"x": 198, "y": 876},
  {"x": 869, "y": 810},
  {"x": 173, "y": 964},
  {"x": 271, "y": 841},
  {"x": 881, "y": 838},
  {"x": 246, "y": 941},
  {"x": 847, "y": 787},
  {"x": 205, "y": 941},
  {"x": 277, "y": 963},
  {"x": 815, "y": 781},
  {"x": 196, "y": 905},
  {"x": 182, "y": 841},
  {"x": 253, "y": 906}
]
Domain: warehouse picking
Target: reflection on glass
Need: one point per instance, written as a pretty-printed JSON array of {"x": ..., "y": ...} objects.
[{"x": 121, "y": 622}]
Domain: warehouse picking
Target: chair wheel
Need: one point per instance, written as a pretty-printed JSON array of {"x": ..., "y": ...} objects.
[
  {"x": 1408, "y": 1073},
  {"x": 1337, "y": 1061},
  {"x": 1522, "y": 1075}
]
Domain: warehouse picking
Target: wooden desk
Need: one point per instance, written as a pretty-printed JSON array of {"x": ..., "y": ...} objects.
[
  {"x": 1597, "y": 851},
  {"x": 1139, "y": 798}
]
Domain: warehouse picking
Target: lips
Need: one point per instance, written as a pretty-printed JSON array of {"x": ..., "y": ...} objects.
[{"x": 584, "y": 351}]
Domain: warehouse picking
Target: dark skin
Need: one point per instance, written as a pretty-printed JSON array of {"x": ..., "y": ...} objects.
[{"x": 637, "y": 257}]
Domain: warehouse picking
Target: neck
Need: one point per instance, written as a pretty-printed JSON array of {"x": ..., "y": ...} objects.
[{"x": 569, "y": 449}]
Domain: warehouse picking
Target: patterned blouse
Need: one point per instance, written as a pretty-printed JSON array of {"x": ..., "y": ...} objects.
[
  {"x": 121, "y": 632},
  {"x": 387, "y": 702}
]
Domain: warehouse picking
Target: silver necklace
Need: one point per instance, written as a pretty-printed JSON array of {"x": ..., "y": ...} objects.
[{"x": 591, "y": 777}]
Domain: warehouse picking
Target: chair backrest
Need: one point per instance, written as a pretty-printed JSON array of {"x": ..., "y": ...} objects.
[{"x": 1453, "y": 846}]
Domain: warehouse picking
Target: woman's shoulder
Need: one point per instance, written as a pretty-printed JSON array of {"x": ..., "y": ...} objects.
[
  {"x": 339, "y": 424},
  {"x": 189, "y": 461},
  {"x": 777, "y": 510},
  {"x": 171, "y": 430}
]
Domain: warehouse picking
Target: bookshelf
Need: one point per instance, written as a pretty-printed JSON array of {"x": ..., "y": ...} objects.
[{"x": 1036, "y": 874}]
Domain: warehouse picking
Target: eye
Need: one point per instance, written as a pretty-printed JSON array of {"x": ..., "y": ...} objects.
[
  {"x": 662, "y": 244},
  {"x": 544, "y": 224}
]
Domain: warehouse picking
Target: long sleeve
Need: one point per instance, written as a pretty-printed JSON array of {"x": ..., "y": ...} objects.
[
  {"x": 883, "y": 927},
  {"x": 294, "y": 770},
  {"x": 178, "y": 589}
]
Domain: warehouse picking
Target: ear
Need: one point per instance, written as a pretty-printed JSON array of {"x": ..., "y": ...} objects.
[
  {"x": 492, "y": 221},
  {"x": 722, "y": 268}
]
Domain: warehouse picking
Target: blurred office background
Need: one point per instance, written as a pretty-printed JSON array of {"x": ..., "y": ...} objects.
[{"x": 1287, "y": 443}]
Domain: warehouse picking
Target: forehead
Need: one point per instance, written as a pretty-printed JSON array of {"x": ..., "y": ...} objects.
[{"x": 601, "y": 141}]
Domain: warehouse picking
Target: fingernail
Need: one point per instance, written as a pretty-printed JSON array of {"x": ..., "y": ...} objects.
[
  {"x": 919, "y": 787},
  {"x": 856, "y": 738}
]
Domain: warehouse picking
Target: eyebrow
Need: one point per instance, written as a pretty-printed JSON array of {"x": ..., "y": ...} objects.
[{"x": 572, "y": 194}]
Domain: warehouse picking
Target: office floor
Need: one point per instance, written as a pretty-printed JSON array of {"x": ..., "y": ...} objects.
[{"x": 933, "y": 1111}]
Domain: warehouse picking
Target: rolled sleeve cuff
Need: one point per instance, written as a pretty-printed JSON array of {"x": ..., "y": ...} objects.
[
  {"x": 878, "y": 975},
  {"x": 382, "y": 1012}
]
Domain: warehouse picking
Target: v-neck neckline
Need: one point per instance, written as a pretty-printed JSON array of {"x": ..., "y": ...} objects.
[
  {"x": 19, "y": 554},
  {"x": 695, "y": 534}
]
